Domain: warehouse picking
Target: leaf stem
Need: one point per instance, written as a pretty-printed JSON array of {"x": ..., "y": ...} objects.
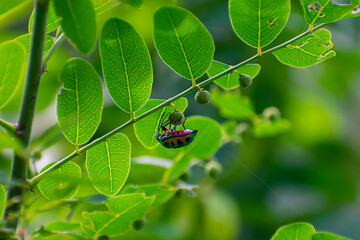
[
  {"x": 168, "y": 102},
  {"x": 7, "y": 126},
  {"x": 23, "y": 128},
  {"x": 56, "y": 44}
]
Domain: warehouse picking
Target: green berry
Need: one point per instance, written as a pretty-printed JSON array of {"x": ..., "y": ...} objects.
[
  {"x": 139, "y": 224},
  {"x": 271, "y": 113},
  {"x": 37, "y": 155},
  {"x": 214, "y": 169},
  {"x": 177, "y": 117},
  {"x": 245, "y": 80},
  {"x": 202, "y": 97}
]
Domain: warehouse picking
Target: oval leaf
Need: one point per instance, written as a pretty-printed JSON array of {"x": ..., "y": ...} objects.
[
  {"x": 108, "y": 164},
  {"x": 231, "y": 80},
  {"x": 208, "y": 138},
  {"x": 146, "y": 129},
  {"x": 7, "y": 5},
  {"x": 53, "y": 21},
  {"x": 183, "y": 42},
  {"x": 325, "y": 11},
  {"x": 232, "y": 105},
  {"x": 301, "y": 231},
  {"x": 124, "y": 210},
  {"x": 327, "y": 236},
  {"x": 79, "y": 105},
  {"x": 259, "y": 22},
  {"x": 2, "y": 201},
  {"x": 11, "y": 64},
  {"x": 308, "y": 50},
  {"x": 78, "y": 22},
  {"x": 162, "y": 193},
  {"x": 126, "y": 65},
  {"x": 61, "y": 184}
]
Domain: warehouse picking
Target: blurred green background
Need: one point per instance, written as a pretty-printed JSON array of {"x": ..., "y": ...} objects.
[{"x": 310, "y": 174}]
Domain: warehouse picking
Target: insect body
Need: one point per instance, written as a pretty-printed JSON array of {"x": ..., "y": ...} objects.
[
  {"x": 173, "y": 138},
  {"x": 176, "y": 139}
]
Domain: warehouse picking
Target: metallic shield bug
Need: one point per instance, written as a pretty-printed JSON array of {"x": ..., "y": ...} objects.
[{"x": 172, "y": 138}]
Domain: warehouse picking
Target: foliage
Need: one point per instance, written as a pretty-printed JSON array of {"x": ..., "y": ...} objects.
[{"x": 126, "y": 176}]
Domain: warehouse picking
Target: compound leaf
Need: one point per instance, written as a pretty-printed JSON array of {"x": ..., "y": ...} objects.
[
  {"x": 308, "y": 50},
  {"x": 146, "y": 129},
  {"x": 259, "y": 22},
  {"x": 183, "y": 42},
  {"x": 78, "y": 22},
  {"x": 124, "y": 210},
  {"x": 232, "y": 105},
  {"x": 79, "y": 105},
  {"x": 302, "y": 231},
  {"x": 2, "y": 201},
  {"x": 11, "y": 63},
  {"x": 162, "y": 193},
  {"x": 126, "y": 65},
  {"x": 108, "y": 164},
  {"x": 325, "y": 11},
  {"x": 231, "y": 80},
  {"x": 61, "y": 184}
]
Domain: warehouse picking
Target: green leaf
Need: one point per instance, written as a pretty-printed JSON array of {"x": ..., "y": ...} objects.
[
  {"x": 78, "y": 22},
  {"x": 231, "y": 80},
  {"x": 259, "y": 22},
  {"x": 301, "y": 231},
  {"x": 24, "y": 40},
  {"x": 232, "y": 105},
  {"x": 108, "y": 164},
  {"x": 146, "y": 129},
  {"x": 264, "y": 128},
  {"x": 7, "y": 5},
  {"x": 325, "y": 11},
  {"x": 354, "y": 13},
  {"x": 308, "y": 50},
  {"x": 79, "y": 105},
  {"x": 124, "y": 210},
  {"x": 61, "y": 184},
  {"x": 183, "y": 42},
  {"x": 11, "y": 63},
  {"x": 63, "y": 227},
  {"x": 2, "y": 201},
  {"x": 207, "y": 140},
  {"x": 53, "y": 21},
  {"x": 162, "y": 193},
  {"x": 134, "y": 3},
  {"x": 8, "y": 141},
  {"x": 126, "y": 65},
  {"x": 327, "y": 236},
  {"x": 105, "y": 5}
]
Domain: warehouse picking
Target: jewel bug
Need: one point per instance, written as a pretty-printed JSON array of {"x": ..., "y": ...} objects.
[{"x": 172, "y": 138}]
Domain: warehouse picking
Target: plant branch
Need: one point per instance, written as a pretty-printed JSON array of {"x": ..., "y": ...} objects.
[
  {"x": 23, "y": 128},
  {"x": 7, "y": 126},
  {"x": 56, "y": 44},
  {"x": 38, "y": 178}
]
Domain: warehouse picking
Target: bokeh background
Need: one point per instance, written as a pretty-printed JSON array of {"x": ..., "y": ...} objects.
[{"x": 309, "y": 174}]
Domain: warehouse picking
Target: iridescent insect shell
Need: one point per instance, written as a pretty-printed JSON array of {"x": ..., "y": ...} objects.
[{"x": 176, "y": 139}]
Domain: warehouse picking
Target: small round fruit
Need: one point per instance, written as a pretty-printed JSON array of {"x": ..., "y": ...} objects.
[
  {"x": 202, "y": 97},
  {"x": 177, "y": 117},
  {"x": 139, "y": 224},
  {"x": 214, "y": 169},
  {"x": 272, "y": 113},
  {"x": 245, "y": 81},
  {"x": 37, "y": 155}
]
